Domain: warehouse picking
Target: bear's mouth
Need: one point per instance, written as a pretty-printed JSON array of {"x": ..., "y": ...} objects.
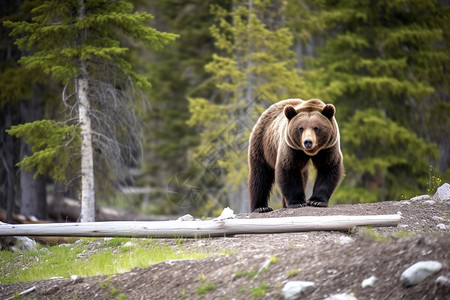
[{"x": 312, "y": 151}]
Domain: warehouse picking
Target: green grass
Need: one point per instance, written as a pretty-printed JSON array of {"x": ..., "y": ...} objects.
[
  {"x": 259, "y": 291},
  {"x": 251, "y": 274},
  {"x": 292, "y": 272},
  {"x": 110, "y": 257},
  {"x": 201, "y": 290}
]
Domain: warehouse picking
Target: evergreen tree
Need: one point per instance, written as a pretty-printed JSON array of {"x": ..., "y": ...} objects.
[
  {"x": 24, "y": 97},
  {"x": 254, "y": 67},
  {"x": 81, "y": 43},
  {"x": 176, "y": 72},
  {"x": 381, "y": 63}
]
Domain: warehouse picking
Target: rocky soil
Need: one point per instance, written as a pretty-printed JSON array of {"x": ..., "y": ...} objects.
[{"x": 262, "y": 265}]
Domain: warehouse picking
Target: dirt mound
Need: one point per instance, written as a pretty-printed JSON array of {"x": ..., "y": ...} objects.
[{"x": 260, "y": 266}]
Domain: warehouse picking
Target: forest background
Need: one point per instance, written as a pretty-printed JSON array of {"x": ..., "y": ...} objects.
[{"x": 383, "y": 64}]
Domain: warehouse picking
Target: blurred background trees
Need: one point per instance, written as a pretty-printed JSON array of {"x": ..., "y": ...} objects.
[{"x": 384, "y": 64}]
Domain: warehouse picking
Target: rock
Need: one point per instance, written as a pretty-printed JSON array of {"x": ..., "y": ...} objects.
[
  {"x": 294, "y": 289},
  {"x": 442, "y": 285},
  {"x": 343, "y": 296},
  {"x": 443, "y": 281},
  {"x": 419, "y": 198},
  {"x": 227, "y": 213},
  {"x": 439, "y": 219},
  {"x": 419, "y": 271},
  {"x": 76, "y": 278},
  {"x": 429, "y": 202},
  {"x": 441, "y": 226},
  {"x": 23, "y": 243},
  {"x": 187, "y": 217},
  {"x": 369, "y": 282},
  {"x": 345, "y": 240},
  {"x": 442, "y": 193}
]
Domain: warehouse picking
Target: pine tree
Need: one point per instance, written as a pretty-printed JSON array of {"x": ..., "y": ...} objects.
[
  {"x": 81, "y": 43},
  {"x": 253, "y": 68},
  {"x": 382, "y": 64}
]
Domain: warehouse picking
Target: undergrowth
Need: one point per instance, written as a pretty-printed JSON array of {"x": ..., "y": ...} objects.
[{"x": 89, "y": 257}]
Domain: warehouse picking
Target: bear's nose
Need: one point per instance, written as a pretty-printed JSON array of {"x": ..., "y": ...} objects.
[{"x": 308, "y": 142}]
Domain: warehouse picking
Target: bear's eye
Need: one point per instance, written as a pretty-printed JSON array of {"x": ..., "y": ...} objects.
[
  {"x": 300, "y": 129},
  {"x": 316, "y": 130}
]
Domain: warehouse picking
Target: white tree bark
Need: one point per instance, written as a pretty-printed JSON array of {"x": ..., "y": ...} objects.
[
  {"x": 87, "y": 154},
  {"x": 176, "y": 229}
]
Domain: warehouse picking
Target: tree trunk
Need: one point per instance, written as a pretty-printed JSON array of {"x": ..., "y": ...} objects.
[
  {"x": 195, "y": 229},
  {"x": 33, "y": 200},
  {"x": 87, "y": 154},
  {"x": 7, "y": 159},
  {"x": 87, "y": 158}
]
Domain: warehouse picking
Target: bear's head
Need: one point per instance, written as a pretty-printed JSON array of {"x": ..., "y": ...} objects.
[{"x": 311, "y": 127}]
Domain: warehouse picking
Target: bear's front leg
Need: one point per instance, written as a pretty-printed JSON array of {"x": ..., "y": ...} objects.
[
  {"x": 329, "y": 173},
  {"x": 289, "y": 177}
]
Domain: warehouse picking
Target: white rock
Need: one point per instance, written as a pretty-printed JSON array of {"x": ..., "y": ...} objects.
[
  {"x": 23, "y": 243},
  {"x": 430, "y": 202},
  {"x": 442, "y": 193},
  {"x": 345, "y": 240},
  {"x": 128, "y": 244},
  {"x": 419, "y": 271},
  {"x": 187, "y": 217},
  {"x": 439, "y": 219},
  {"x": 419, "y": 198},
  {"x": 343, "y": 296},
  {"x": 369, "y": 282},
  {"x": 441, "y": 226},
  {"x": 227, "y": 213},
  {"x": 294, "y": 289},
  {"x": 443, "y": 281}
]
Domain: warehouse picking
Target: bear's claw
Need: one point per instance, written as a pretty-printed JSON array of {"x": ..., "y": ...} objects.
[
  {"x": 296, "y": 205},
  {"x": 317, "y": 203},
  {"x": 263, "y": 209}
]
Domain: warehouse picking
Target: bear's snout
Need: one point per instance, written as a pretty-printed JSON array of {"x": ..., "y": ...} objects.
[{"x": 308, "y": 143}]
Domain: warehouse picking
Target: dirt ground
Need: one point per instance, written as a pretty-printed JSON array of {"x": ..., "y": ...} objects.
[{"x": 261, "y": 265}]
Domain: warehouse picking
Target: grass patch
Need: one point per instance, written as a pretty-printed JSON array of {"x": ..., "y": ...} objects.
[
  {"x": 293, "y": 272},
  {"x": 405, "y": 233},
  {"x": 88, "y": 258},
  {"x": 251, "y": 274},
  {"x": 201, "y": 290},
  {"x": 259, "y": 291},
  {"x": 375, "y": 236}
]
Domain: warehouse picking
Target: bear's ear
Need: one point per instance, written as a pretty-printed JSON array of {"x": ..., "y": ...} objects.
[
  {"x": 290, "y": 112},
  {"x": 328, "y": 111}
]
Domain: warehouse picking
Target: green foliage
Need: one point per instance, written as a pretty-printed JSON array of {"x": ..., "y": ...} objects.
[
  {"x": 259, "y": 291},
  {"x": 201, "y": 290},
  {"x": 254, "y": 63},
  {"x": 380, "y": 167},
  {"x": 250, "y": 274},
  {"x": 55, "y": 147},
  {"x": 292, "y": 272},
  {"x": 102, "y": 258},
  {"x": 380, "y": 64},
  {"x": 60, "y": 39}
]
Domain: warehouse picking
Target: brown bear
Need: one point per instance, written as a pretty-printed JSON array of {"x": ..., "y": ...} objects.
[{"x": 287, "y": 136}]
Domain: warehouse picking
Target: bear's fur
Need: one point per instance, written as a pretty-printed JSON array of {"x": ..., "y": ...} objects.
[{"x": 287, "y": 136}]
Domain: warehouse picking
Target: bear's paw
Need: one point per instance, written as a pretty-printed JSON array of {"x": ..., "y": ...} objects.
[
  {"x": 317, "y": 203},
  {"x": 263, "y": 209}
]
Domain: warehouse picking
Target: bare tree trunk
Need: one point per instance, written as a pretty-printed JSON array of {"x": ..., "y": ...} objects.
[
  {"x": 87, "y": 159},
  {"x": 7, "y": 160},
  {"x": 33, "y": 200},
  {"x": 87, "y": 153}
]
